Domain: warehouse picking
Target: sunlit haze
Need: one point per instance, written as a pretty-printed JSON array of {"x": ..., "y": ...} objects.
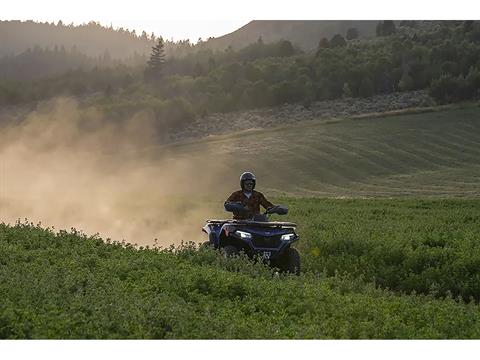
[
  {"x": 180, "y": 29},
  {"x": 183, "y": 19},
  {"x": 169, "y": 29}
]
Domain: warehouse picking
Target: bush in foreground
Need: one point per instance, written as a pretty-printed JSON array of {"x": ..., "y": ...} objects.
[{"x": 67, "y": 285}]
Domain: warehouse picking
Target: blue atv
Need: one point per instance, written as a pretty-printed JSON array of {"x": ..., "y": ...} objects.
[{"x": 271, "y": 241}]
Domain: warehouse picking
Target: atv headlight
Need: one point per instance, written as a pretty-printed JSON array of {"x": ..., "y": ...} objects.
[
  {"x": 288, "y": 237},
  {"x": 243, "y": 234}
]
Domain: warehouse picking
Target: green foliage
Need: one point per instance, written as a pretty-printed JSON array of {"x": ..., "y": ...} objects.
[
  {"x": 412, "y": 246},
  {"x": 449, "y": 88},
  {"x": 347, "y": 93},
  {"x": 366, "y": 88},
  {"x": 285, "y": 48},
  {"x": 174, "y": 113},
  {"x": 71, "y": 286},
  {"x": 324, "y": 43},
  {"x": 38, "y": 63},
  {"x": 408, "y": 23},
  {"x": 154, "y": 70},
  {"x": 337, "y": 41},
  {"x": 473, "y": 83},
  {"x": 406, "y": 82},
  {"x": 352, "y": 33},
  {"x": 11, "y": 92},
  {"x": 269, "y": 74},
  {"x": 386, "y": 28},
  {"x": 76, "y": 83},
  {"x": 259, "y": 94}
]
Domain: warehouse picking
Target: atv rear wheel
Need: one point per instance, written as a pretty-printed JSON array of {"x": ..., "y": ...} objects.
[
  {"x": 230, "y": 251},
  {"x": 290, "y": 261}
]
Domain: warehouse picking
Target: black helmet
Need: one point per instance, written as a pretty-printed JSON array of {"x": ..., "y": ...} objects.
[{"x": 247, "y": 176}]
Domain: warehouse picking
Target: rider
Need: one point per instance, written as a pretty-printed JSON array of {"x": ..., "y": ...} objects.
[{"x": 248, "y": 197}]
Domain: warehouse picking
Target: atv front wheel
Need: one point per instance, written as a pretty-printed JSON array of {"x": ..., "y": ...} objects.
[
  {"x": 290, "y": 261},
  {"x": 230, "y": 251}
]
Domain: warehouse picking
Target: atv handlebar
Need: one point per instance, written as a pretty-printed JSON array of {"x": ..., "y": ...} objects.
[
  {"x": 238, "y": 207},
  {"x": 277, "y": 209}
]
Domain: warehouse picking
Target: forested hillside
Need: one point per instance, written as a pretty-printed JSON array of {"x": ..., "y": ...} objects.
[
  {"x": 441, "y": 57},
  {"x": 303, "y": 33},
  {"x": 91, "y": 39}
]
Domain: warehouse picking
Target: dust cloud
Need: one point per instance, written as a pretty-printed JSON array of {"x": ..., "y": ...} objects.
[{"x": 66, "y": 166}]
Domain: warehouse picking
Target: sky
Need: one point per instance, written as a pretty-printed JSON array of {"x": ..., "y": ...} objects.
[
  {"x": 189, "y": 19},
  {"x": 180, "y": 29}
]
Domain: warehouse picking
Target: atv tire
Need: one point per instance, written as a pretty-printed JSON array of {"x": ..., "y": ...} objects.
[
  {"x": 290, "y": 261},
  {"x": 230, "y": 251}
]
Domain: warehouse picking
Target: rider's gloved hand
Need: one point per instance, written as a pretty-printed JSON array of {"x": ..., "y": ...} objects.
[{"x": 271, "y": 208}]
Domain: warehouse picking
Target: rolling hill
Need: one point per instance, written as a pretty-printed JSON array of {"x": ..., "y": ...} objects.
[
  {"x": 434, "y": 154},
  {"x": 95, "y": 40},
  {"x": 304, "y": 33}
]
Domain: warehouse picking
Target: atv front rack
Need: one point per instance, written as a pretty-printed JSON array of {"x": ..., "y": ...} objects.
[{"x": 271, "y": 224}]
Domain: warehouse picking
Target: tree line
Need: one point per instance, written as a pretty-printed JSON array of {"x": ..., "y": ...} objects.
[{"x": 443, "y": 58}]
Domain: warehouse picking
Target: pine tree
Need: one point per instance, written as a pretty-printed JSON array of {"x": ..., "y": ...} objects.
[
  {"x": 157, "y": 59},
  {"x": 389, "y": 28},
  {"x": 198, "y": 70},
  {"x": 352, "y": 33},
  {"x": 323, "y": 44},
  {"x": 386, "y": 28},
  {"x": 379, "y": 28},
  {"x": 337, "y": 41}
]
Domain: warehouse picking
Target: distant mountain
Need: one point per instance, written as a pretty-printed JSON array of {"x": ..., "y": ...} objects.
[
  {"x": 304, "y": 33},
  {"x": 91, "y": 39},
  {"x": 95, "y": 40}
]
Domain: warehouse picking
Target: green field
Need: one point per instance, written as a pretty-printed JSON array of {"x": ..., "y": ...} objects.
[
  {"x": 426, "y": 252},
  {"x": 435, "y": 154},
  {"x": 387, "y": 208}
]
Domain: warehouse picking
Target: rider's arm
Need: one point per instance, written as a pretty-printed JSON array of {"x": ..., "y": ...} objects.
[
  {"x": 235, "y": 200},
  {"x": 235, "y": 205},
  {"x": 232, "y": 198},
  {"x": 265, "y": 203}
]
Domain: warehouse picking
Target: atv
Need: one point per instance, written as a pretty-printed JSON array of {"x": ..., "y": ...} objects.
[{"x": 256, "y": 237}]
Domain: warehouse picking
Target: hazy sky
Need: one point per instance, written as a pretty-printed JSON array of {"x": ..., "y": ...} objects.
[
  {"x": 177, "y": 19},
  {"x": 181, "y": 19},
  {"x": 180, "y": 29}
]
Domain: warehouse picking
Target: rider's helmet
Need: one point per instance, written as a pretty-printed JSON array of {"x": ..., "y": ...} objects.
[{"x": 247, "y": 176}]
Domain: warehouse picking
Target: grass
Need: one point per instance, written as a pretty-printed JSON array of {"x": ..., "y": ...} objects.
[{"x": 432, "y": 154}]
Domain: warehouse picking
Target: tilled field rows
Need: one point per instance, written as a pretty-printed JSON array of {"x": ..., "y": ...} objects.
[{"x": 431, "y": 154}]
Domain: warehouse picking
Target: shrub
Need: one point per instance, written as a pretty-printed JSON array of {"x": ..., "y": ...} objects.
[
  {"x": 352, "y": 33},
  {"x": 448, "y": 88},
  {"x": 337, "y": 41},
  {"x": 175, "y": 113},
  {"x": 406, "y": 82},
  {"x": 366, "y": 87}
]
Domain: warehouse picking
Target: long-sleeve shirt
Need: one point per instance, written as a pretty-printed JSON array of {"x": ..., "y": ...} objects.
[{"x": 252, "y": 203}]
